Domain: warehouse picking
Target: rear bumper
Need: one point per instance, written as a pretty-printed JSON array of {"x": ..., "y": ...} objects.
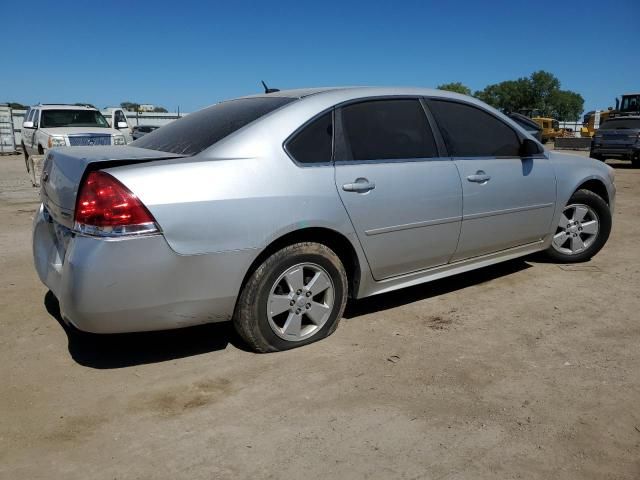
[{"x": 134, "y": 284}]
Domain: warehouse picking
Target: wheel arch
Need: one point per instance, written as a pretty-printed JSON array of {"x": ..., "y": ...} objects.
[
  {"x": 333, "y": 239},
  {"x": 596, "y": 186}
]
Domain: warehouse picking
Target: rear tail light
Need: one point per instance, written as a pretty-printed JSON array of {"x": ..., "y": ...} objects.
[{"x": 106, "y": 208}]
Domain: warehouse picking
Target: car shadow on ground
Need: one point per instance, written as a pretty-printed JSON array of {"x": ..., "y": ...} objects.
[
  {"x": 424, "y": 291},
  {"x": 129, "y": 349}
]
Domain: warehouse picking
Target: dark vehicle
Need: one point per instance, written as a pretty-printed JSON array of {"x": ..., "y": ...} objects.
[
  {"x": 628, "y": 105},
  {"x": 141, "y": 130},
  {"x": 529, "y": 125},
  {"x": 618, "y": 138}
]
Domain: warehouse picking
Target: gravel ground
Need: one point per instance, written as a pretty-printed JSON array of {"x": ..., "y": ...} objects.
[{"x": 521, "y": 370}]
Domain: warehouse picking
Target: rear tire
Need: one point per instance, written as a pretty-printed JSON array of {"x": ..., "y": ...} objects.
[
  {"x": 583, "y": 230},
  {"x": 295, "y": 297}
]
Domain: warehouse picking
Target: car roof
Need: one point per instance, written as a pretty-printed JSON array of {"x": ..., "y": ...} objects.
[
  {"x": 355, "y": 92},
  {"x": 62, "y": 106}
]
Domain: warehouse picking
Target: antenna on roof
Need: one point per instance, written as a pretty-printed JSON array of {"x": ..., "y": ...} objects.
[{"x": 267, "y": 89}]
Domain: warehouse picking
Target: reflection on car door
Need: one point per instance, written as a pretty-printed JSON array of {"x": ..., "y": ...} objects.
[
  {"x": 508, "y": 200},
  {"x": 403, "y": 199}
]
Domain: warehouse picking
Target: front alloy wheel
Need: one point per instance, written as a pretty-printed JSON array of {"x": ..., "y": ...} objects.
[
  {"x": 577, "y": 230},
  {"x": 583, "y": 228}
]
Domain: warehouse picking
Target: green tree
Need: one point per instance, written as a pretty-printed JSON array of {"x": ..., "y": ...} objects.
[
  {"x": 540, "y": 93},
  {"x": 84, "y": 104},
  {"x": 544, "y": 87},
  {"x": 17, "y": 106},
  {"x": 130, "y": 106},
  {"x": 456, "y": 87},
  {"x": 160, "y": 110},
  {"x": 508, "y": 96},
  {"x": 566, "y": 106}
]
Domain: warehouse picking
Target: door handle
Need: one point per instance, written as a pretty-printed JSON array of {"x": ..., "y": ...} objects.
[
  {"x": 479, "y": 177},
  {"x": 361, "y": 185}
]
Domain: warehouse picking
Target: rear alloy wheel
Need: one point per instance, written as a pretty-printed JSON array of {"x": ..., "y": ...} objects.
[
  {"x": 583, "y": 228},
  {"x": 300, "y": 302},
  {"x": 295, "y": 297}
]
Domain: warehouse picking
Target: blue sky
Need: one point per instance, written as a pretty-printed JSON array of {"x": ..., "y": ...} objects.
[{"x": 192, "y": 54}]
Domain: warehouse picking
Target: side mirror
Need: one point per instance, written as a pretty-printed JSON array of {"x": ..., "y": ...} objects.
[
  {"x": 528, "y": 148},
  {"x": 27, "y": 124},
  {"x": 122, "y": 125}
]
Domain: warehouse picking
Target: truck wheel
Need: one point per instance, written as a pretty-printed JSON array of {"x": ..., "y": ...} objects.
[
  {"x": 295, "y": 297},
  {"x": 583, "y": 229},
  {"x": 635, "y": 160}
]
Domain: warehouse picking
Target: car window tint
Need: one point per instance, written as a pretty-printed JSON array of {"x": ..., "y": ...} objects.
[
  {"x": 193, "y": 133},
  {"x": 472, "y": 132},
  {"x": 313, "y": 144},
  {"x": 386, "y": 130}
]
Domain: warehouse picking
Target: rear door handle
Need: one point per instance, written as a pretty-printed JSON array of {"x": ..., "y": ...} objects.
[
  {"x": 361, "y": 185},
  {"x": 479, "y": 177}
]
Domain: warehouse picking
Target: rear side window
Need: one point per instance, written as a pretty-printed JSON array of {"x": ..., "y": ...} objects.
[
  {"x": 314, "y": 143},
  {"x": 386, "y": 130},
  {"x": 472, "y": 132},
  {"x": 197, "y": 131}
]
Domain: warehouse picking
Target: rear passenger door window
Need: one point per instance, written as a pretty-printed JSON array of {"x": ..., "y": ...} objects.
[
  {"x": 471, "y": 132},
  {"x": 313, "y": 144},
  {"x": 385, "y": 130}
]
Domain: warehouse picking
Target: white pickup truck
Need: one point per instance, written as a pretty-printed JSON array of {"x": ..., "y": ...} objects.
[{"x": 50, "y": 125}]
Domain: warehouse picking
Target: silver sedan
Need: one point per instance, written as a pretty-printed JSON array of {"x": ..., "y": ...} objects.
[{"x": 272, "y": 210}]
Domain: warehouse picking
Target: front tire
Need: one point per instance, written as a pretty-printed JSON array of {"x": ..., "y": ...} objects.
[
  {"x": 584, "y": 227},
  {"x": 295, "y": 297}
]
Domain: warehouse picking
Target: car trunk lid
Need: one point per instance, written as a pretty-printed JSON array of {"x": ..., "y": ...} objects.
[{"x": 65, "y": 168}]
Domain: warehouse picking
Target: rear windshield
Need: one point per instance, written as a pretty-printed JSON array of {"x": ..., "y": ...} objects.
[
  {"x": 195, "y": 132},
  {"x": 621, "y": 124},
  {"x": 72, "y": 118}
]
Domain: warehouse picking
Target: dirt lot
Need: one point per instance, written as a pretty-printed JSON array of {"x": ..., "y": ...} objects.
[{"x": 522, "y": 370}]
